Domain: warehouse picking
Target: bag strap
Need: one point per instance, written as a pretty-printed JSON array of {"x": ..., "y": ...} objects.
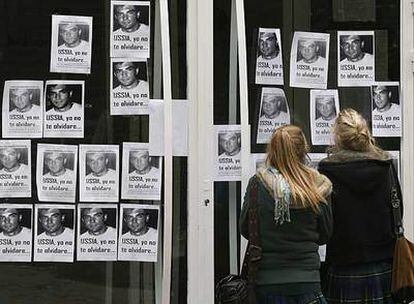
[
  {"x": 254, "y": 251},
  {"x": 396, "y": 202}
]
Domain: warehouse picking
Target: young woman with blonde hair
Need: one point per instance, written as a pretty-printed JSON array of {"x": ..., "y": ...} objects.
[
  {"x": 294, "y": 218},
  {"x": 359, "y": 254}
]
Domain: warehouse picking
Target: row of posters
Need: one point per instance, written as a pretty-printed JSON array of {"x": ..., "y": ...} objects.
[
  {"x": 48, "y": 233},
  {"x": 309, "y": 59},
  {"x": 71, "y": 37},
  {"x": 56, "y": 172}
]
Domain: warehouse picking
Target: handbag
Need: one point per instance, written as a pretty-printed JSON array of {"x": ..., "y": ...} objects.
[
  {"x": 402, "y": 286},
  {"x": 239, "y": 289}
]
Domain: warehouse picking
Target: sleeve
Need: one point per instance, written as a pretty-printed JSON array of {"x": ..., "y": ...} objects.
[
  {"x": 325, "y": 222},
  {"x": 244, "y": 215}
]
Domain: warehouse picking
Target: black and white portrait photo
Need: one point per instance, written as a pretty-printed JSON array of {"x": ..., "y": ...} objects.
[
  {"x": 130, "y": 24},
  {"x": 56, "y": 172},
  {"x": 141, "y": 173},
  {"x": 324, "y": 110},
  {"x": 64, "y": 108},
  {"x": 71, "y": 44},
  {"x": 54, "y": 233},
  {"x": 228, "y": 152},
  {"x": 356, "y": 60},
  {"x": 22, "y": 109},
  {"x": 269, "y": 66},
  {"x": 386, "y": 109},
  {"x": 15, "y": 168},
  {"x": 309, "y": 60},
  {"x": 274, "y": 113},
  {"x": 99, "y": 173},
  {"x": 16, "y": 232},
  {"x": 138, "y": 235},
  {"x": 130, "y": 88},
  {"x": 97, "y": 232}
]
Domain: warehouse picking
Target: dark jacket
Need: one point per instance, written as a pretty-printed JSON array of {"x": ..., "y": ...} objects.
[
  {"x": 363, "y": 230},
  {"x": 290, "y": 250}
]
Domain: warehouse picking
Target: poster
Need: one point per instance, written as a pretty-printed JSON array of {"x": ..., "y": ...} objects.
[
  {"x": 54, "y": 239},
  {"x": 309, "y": 60},
  {"x": 386, "y": 109},
  {"x": 141, "y": 173},
  {"x": 97, "y": 234},
  {"x": 71, "y": 44},
  {"x": 16, "y": 232},
  {"x": 15, "y": 169},
  {"x": 269, "y": 66},
  {"x": 22, "y": 115},
  {"x": 257, "y": 160},
  {"x": 274, "y": 113},
  {"x": 64, "y": 108},
  {"x": 138, "y": 233},
  {"x": 324, "y": 108},
  {"x": 130, "y": 24},
  {"x": 315, "y": 158},
  {"x": 356, "y": 58},
  {"x": 396, "y": 161},
  {"x": 227, "y": 162},
  {"x": 130, "y": 89},
  {"x": 56, "y": 172},
  {"x": 99, "y": 173}
]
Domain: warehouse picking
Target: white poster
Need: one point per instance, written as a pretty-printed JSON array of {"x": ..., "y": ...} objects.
[
  {"x": 315, "y": 158},
  {"x": 309, "y": 60},
  {"x": 97, "y": 236},
  {"x": 15, "y": 169},
  {"x": 386, "y": 109},
  {"x": 395, "y": 156},
  {"x": 356, "y": 58},
  {"x": 16, "y": 232},
  {"x": 138, "y": 233},
  {"x": 54, "y": 239},
  {"x": 56, "y": 172},
  {"x": 130, "y": 24},
  {"x": 22, "y": 115},
  {"x": 141, "y": 173},
  {"x": 99, "y": 173},
  {"x": 269, "y": 66},
  {"x": 64, "y": 108},
  {"x": 227, "y": 141},
  {"x": 71, "y": 46},
  {"x": 324, "y": 108},
  {"x": 130, "y": 89},
  {"x": 274, "y": 113},
  {"x": 257, "y": 160}
]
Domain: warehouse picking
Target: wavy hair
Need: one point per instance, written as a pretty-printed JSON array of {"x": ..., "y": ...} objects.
[{"x": 286, "y": 152}]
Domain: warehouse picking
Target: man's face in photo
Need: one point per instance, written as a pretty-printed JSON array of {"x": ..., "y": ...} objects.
[
  {"x": 10, "y": 221},
  {"x": 55, "y": 162},
  {"x": 127, "y": 17},
  {"x": 51, "y": 221},
  {"x": 94, "y": 220},
  {"x": 126, "y": 73},
  {"x": 97, "y": 162},
  {"x": 382, "y": 97},
  {"x": 271, "y": 104},
  {"x": 308, "y": 49},
  {"x": 136, "y": 220},
  {"x": 71, "y": 34},
  {"x": 230, "y": 143},
  {"x": 268, "y": 45},
  {"x": 60, "y": 96},
  {"x": 352, "y": 46},
  {"x": 326, "y": 107},
  {"x": 9, "y": 158},
  {"x": 22, "y": 99},
  {"x": 140, "y": 160}
]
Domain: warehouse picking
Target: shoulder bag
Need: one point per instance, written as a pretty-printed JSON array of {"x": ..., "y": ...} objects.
[{"x": 239, "y": 289}]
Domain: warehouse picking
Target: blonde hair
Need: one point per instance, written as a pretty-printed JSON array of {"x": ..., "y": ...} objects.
[
  {"x": 351, "y": 132},
  {"x": 286, "y": 152}
]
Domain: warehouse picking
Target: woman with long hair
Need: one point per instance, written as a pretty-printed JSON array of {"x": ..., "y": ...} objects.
[
  {"x": 360, "y": 252},
  {"x": 294, "y": 218}
]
